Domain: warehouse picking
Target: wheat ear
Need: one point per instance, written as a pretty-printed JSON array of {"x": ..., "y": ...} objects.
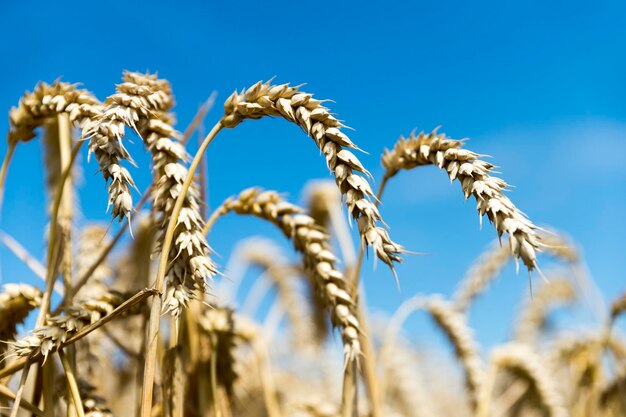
[
  {"x": 16, "y": 301},
  {"x": 311, "y": 240},
  {"x": 190, "y": 264},
  {"x": 533, "y": 315},
  {"x": 491, "y": 263},
  {"x": 265, "y": 99},
  {"x": 454, "y": 325},
  {"x": 523, "y": 361},
  {"x": 474, "y": 176},
  {"x": 87, "y": 310}
]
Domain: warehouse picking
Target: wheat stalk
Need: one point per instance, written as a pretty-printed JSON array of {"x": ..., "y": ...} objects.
[
  {"x": 474, "y": 176},
  {"x": 265, "y": 99}
]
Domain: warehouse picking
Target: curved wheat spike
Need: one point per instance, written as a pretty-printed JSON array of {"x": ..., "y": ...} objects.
[
  {"x": 474, "y": 176},
  {"x": 490, "y": 264},
  {"x": 311, "y": 240},
  {"x": 454, "y": 325},
  {"x": 87, "y": 309},
  {"x": 16, "y": 302},
  {"x": 533, "y": 315},
  {"x": 265, "y": 99},
  {"x": 521, "y": 360},
  {"x": 142, "y": 102},
  {"x": 83, "y": 109}
]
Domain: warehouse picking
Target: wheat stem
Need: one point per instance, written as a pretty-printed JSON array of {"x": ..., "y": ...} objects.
[
  {"x": 73, "y": 385},
  {"x": 6, "y": 393},
  {"x": 199, "y": 117}
]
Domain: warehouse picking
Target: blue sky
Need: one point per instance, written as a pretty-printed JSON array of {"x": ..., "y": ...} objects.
[{"x": 539, "y": 86}]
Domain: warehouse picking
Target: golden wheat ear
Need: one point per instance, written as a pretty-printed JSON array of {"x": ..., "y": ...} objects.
[
  {"x": 265, "y": 99},
  {"x": 474, "y": 176}
]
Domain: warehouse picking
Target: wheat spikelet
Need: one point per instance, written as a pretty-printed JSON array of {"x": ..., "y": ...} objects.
[
  {"x": 142, "y": 102},
  {"x": 473, "y": 175},
  {"x": 190, "y": 262},
  {"x": 522, "y": 361},
  {"x": 311, "y": 240},
  {"x": 489, "y": 265},
  {"x": 533, "y": 316},
  {"x": 265, "y": 99},
  {"x": 16, "y": 301},
  {"x": 461, "y": 336},
  {"x": 47, "y": 101},
  {"x": 87, "y": 309}
]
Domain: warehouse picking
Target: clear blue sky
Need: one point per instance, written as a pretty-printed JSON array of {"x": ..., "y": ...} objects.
[{"x": 540, "y": 86}]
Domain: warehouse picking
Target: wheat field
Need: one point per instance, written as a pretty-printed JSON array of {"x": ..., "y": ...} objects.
[{"x": 147, "y": 321}]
